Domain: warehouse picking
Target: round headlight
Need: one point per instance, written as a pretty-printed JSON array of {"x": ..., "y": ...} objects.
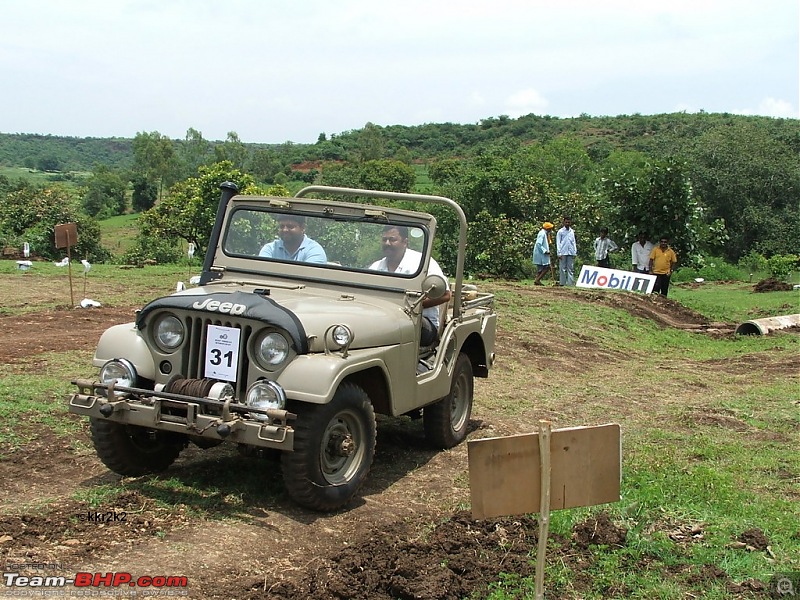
[
  {"x": 265, "y": 394},
  {"x": 118, "y": 371},
  {"x": 272, "y": 350},
  {"x": 341, "y": 336},
  {"x": 169, "y": 333}
]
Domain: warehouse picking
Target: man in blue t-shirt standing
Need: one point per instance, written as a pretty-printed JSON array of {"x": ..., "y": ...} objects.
[{"x": 293, "y": 243}]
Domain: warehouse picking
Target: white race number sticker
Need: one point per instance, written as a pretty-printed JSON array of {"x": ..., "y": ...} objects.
[{"x": 222, "y": 352}]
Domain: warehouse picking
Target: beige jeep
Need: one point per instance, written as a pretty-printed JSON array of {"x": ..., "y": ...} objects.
[{"x": 296, "y": 350}]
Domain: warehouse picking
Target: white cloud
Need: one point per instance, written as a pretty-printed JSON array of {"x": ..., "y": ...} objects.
[
  {"x": 773, "y": 107},
  {"x": 526, "y": 102},
  {"x": 770, "y": 107}
]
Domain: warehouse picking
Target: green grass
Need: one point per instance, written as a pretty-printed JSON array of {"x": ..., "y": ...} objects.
[
  {"x": 32, "y": 397},
  {"x": 47, "y": 287},
  {"x": 710, "y": 438},
  {"x": 735, "y": 302},
  {"x": 41, "y": 177},
  {"x": 117, "y": 234},
  {"x": 710, "y": 429}
]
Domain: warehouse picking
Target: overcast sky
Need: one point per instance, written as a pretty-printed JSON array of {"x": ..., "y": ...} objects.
[{"x": 275, "y": 70}]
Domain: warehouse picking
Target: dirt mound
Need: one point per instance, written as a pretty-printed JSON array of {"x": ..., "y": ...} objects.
[
  {"x": 772, "y": 285},
  {"x": 599, "y": 531},
  {"x": 455, "y": 559}
]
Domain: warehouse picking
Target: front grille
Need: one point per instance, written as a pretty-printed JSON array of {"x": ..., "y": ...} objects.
[{"x": 195, "y": 352}]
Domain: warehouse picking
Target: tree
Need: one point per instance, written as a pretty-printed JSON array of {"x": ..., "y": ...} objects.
[
  {"x": 751, "y": 180},
  {"x": 658, "y": 199},
  {"x": 189, "y": 210},
  {"x": 265, "y": 164},
  {"x": 370, "y": 143},
  {"x": 386, "y": 175},
  {"x": 144, "y": 193},
  {"x": 195, "y": 151},
  {"x": 232, "y": 150},
  {"x": 30, "y": 213},
  {"x": 105, "y": 194},
  {"x": 154, "y": 159}
]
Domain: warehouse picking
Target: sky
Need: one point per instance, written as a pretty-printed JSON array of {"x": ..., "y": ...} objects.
[{"x": 289, "y": 70}]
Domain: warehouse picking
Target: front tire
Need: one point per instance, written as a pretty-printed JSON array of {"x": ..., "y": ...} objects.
[
  {"x": 446, "y": 421},
  {"x": 131, "y": 450},
  {"x": 334, "y": 445}
]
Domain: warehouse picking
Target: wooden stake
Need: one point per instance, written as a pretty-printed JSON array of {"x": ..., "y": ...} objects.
[
  {"x": 544, "y": 506},
  {"x": 69, "y": 270}
]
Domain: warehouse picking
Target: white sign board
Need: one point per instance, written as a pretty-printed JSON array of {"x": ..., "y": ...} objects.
[
  {"x": 222, "y": 352},
  {"x": 613, "y": 279}
]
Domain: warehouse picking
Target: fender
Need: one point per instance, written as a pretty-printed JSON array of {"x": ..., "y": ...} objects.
[
  {"x": 314, "y": 378},
  {"x": 126, "y": 337}
]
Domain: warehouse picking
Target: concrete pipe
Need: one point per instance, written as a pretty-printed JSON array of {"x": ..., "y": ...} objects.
[{"x": 764, "y": 326}]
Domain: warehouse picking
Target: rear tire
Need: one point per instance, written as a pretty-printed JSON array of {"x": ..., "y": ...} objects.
[
  {"x": 131, "y": 450},
  {"x": 446, "y": 421},
  {"x": 334, "y": 445}
]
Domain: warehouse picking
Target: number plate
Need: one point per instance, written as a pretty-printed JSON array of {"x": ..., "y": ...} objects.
[{"x": 222, "y": 352}]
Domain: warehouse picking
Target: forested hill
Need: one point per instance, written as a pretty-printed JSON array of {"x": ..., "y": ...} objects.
[{"x": 661, "y": 135}]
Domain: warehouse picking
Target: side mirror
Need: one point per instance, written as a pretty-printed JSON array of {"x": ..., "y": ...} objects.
[{"x": 434, "y": 286}]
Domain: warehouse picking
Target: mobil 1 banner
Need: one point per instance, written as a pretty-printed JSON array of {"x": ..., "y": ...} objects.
[{"x": 612, "y": 279}]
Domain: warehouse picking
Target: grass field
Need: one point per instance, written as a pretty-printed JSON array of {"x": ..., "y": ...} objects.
[{"x": 710, "y": 501}]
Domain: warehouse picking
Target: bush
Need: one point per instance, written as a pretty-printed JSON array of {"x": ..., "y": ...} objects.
[
  {"x": 710, "y": 268},
  {"x": 753, "y": 262},
  {"x": 155, "y": 248},
  {"x": 781, "y": 266}
]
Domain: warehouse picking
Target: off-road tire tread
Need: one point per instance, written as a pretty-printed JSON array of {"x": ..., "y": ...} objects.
[
  {"x": 300, "y": 468},
  {"x": 115, "y": 449},
  {"x": 436, "y": 417}
]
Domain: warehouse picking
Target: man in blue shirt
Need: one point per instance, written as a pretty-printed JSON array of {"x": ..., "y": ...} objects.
[
  {"x": 567, "y": 250},
  {"x": 293, "y": 243}
]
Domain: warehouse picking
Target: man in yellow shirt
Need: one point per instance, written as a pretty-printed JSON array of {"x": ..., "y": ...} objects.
[{"x": 662, "y": 263}]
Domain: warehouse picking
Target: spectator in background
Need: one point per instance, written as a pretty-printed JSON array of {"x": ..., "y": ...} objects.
[
  {"x": 541, "y": 252},
  {"x": 602, "y": 246},
  {"x": 640, "y": 253},
  {"x": 567, "y": 250},
  {"x": 662, "y": 263}
]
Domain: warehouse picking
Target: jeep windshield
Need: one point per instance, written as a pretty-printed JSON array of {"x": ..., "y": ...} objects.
[{"x": 348, "y": 238}]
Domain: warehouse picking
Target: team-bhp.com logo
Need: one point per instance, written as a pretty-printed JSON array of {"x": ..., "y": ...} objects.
[{"x": 96, "y": 580}]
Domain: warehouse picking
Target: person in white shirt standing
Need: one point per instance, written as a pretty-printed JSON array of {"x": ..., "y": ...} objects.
[
  {"x": 602, "y": 246},
  {"x": 640, "y": 253},
  {"x": 399, "y": 258},
  {"x": 567, "y": 250}
]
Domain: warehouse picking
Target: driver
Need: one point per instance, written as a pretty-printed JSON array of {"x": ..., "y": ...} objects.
[
  {"x": 293, "y": 243},
  {"x": 399, "y": 258}
]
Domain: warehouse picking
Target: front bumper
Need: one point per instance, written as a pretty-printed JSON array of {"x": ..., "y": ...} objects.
[{"x": 184, "y": 414}]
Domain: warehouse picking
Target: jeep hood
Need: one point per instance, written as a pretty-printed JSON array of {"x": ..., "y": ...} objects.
[{"x": 373, "y": 322}]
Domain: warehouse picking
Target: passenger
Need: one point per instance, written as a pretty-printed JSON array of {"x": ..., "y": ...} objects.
[
  {"x": 293, "y": 243},
  {"x": 399, "y": 258}
]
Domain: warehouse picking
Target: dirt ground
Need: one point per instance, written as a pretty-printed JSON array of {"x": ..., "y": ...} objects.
[{"x": 407, "y": 536}]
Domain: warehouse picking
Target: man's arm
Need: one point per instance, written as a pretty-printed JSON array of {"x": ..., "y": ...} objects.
[{"x": 429, "y": 302}]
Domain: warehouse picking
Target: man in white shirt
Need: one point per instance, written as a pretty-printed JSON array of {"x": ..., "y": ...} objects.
[
  {"x": 603, "y": 245},
  {"x": 640, "y": 253},
  {"x": 399, "y": 258}
]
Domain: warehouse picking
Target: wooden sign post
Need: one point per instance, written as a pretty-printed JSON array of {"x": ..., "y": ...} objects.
[
  {"x": 562, "y": 468},
  {"x": 66, "y": 237}
]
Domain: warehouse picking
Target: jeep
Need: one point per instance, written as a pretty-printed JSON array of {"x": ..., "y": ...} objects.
[{"x": 294, "y": 342}]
